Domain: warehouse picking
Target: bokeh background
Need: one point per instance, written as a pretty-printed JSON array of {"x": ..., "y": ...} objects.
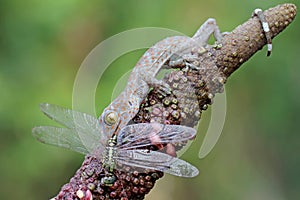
[{"x": 42, "y": 44}]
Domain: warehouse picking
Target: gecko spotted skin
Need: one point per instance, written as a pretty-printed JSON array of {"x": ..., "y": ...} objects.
[{"x": 126, "y": 105}]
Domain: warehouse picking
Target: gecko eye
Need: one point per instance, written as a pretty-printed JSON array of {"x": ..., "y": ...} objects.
[{"x": 111, "y": 118}]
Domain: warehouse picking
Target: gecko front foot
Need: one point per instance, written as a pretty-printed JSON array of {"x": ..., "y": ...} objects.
[
  {"x": 188, "y": 60},
  {"x": 162, "y": 87}
]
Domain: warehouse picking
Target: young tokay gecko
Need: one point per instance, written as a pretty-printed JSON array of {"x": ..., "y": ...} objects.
[{"x": 142, "y": 77}]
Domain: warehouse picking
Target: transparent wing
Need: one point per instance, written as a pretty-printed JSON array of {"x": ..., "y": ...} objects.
[
  {"x": 154, "y": 160},
  {"x": 60, "y": 137},
  {"x": 60, "y": 114},
  {"x": 84, "y": 126},
  {"x": 139, "y": 135}
]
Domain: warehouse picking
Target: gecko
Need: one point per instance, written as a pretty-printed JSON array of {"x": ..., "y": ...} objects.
[{"x": 143, "y": 76}]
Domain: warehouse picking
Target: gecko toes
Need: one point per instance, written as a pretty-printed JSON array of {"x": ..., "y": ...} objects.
[{"x": 164, "y": 89}]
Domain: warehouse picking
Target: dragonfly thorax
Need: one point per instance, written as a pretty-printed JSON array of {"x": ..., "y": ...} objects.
[{"x": 112, "y": 141}]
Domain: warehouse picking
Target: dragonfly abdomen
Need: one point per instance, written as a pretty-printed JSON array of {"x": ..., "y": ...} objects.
[{"x": 109, "y": 162}]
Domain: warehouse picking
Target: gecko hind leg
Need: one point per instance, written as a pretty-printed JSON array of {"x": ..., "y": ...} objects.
[
  {"x": 208, "y": 28},
  {"x": 265, "y": 25}
]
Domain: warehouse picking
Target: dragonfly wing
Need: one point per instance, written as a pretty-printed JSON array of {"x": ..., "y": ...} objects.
[
  {"x": 59, "y": 114},
  {"x": 85, "y": 125},
  {"x": 89, "y": 131},
  {"x": 139, "y": 135},
  {"x": 60, "y": 137},
  {"x": 154, "y": 160}
]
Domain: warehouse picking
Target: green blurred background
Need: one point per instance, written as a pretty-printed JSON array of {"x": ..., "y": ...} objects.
[{"x": 43, "y": 44}]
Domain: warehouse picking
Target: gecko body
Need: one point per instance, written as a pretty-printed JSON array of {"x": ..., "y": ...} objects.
[{"x": 126, "y": 105}]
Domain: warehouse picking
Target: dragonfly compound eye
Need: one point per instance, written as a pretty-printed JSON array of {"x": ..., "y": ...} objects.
[{"x": 111, "y": 118}]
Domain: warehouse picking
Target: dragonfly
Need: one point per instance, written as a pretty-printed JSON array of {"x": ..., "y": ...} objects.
[{"x": 82, "y": 133}]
